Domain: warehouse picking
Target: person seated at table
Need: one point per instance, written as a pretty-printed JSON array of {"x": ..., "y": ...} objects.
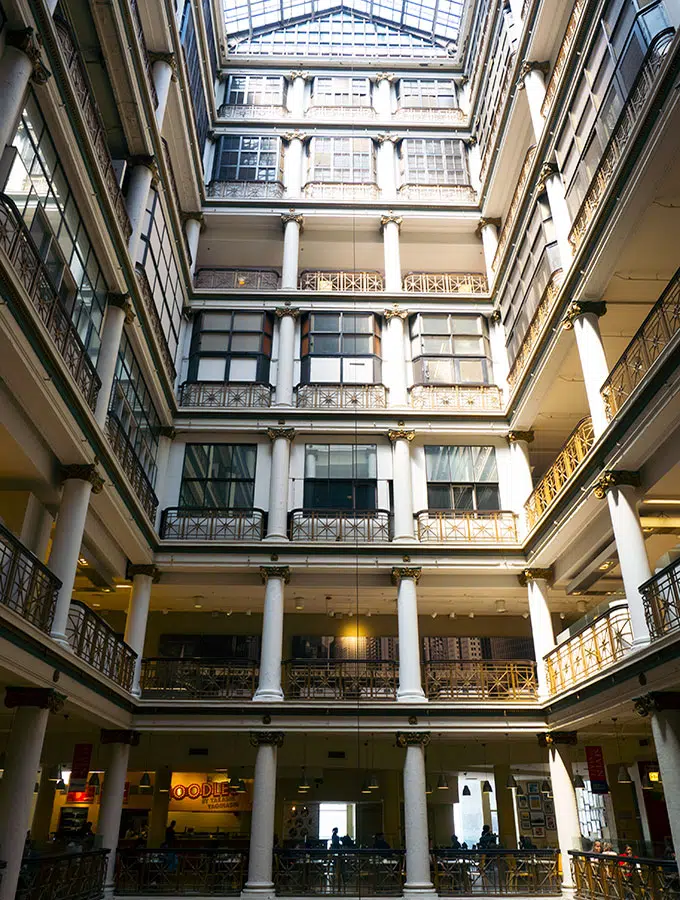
[
  {"x": 379, "y": 842},
  {"x": 487, "y": 838},
  {"x": 335, "y": 840},
  {"x": 525, "y": 843},
  {"x": 171, "y": 834},
  {"x": 455, "y": 843},
  {"x": 347, "y": 841}
]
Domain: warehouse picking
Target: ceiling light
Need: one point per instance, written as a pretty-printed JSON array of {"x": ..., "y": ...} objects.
[
  {"x": 365, "y": 787},
  {"x": 466, "y": 791},
  {"x": 299, "y": 603},
  {"x": 198, "y": 606},
  {"x": 511, "y": 783},
  {"x": 428, "y": 788},
  {"x": 545, "y": 787},
  {"x": 452, "y": 615},
  {"x": 579, "y": 783},
  {"x": 434, "y": 615},
  {"x": 303, "y": 784},
  {"x": 519, "y": 789},
  {"x": 123, "y": 587},
  {"x": 145, "y": 780},
  {"x": 82, "y": 561},
  {"x": 624, "y": 775},
  {"x": 500, "y": 606},
  {"x": 486, "y": 787},
  {"x": 94, "y": 780},
  {"x": 442, "y": 782},
  {"x": 525, "y": 615},
  {"x": 373, "y": 783},
  {"x": 97, "y": 605},
  {"x": 471, "y": 615}
]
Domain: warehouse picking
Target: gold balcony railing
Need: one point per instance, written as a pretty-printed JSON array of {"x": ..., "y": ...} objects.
[
  {"x": 480, "y": 679},
  {"x": 597, "y": 647},
  {"x": 451, "y": 116},
  {"x": 446, "y": 283},
  {"x": 543, "y": 311},
  {"x": 563, "y": 56},
  {"x": 237, "y": 279},
  {"x": 244, "y": 190},
  {"x": 494, "y": 872},
  {"x": 225, "y": 395},
  {"x": 93, "y": 640},
  {"x": 438, "y": 193},
  {"x": 207, "y": 524},
  {"x": 341, "y": 396},
  {"x": 513, "y": 209},
  {"x": 463, "y": 398},
  {"x": 227, "y": 111},
  {"x": 198, "y": 679},
  {"x": 340, "y": 525},
  {"x": 341, "y": 679},
  {"x": 647, "y": 345},
  {"x": 326, "y": 190},
  {"x": 473, "y": 526},
  {"x": 661, "y": 599},
  {"x": 559, "y": 474},
  {"x": 601, "y": 876},
  {"x": 129, "y": 460},
  {"x": 27, "y": 587},
  {"x": 362, "y": 282}
]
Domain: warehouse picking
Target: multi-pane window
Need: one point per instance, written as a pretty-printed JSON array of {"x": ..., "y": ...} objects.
[
  {"x": 219, "y": 476},
  {"x": 450, "y": 349},
  {"x": 434, "y": 161},
  {"x": 231, "y": 346},
  {"x": 496, "y": 78},
  {"x": 340, "y": 348},
  {"x": 338, "y": 91},
  {"x": 254, "y": 90},
  {"x": 192, "y": 56},
  {"x": 461, "y": 478},
  {"x": 157, "y": 258},
  {"x": 340, "y": 476},
  {"x": 38, "y": 185},
  {"x": 345, "y": 160},
  {"x": 206, "y": 6},
  {"x": 427, "y": 93},
  {"x": 248, "y": 158}
]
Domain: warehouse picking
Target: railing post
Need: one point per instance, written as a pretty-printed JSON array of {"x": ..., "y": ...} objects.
[
  {"x": 261, "y": 856},
  {"x": 566, "y": 810},
  {"x": 269, "y": 685}
]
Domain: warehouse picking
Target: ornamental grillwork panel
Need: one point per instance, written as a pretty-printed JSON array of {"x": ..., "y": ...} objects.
[
  {"x": 180, "y": 872},
  {"x": 93, "y": 640},
  {"x": 205, "y": 524},
  {"x": 535, "y": 330},
  {"x": 599, "y": 877},
  {"x": 341, "y": 679},
  {"x": 661, "y": 599},
  {"x": 427, "y": 116},
  {"x": 198, "y": 679},
  {"x": 562, "y": 56},
  {"x": 341, "y": 396},
  {"x": 442, "y": 193},
  {"x": 70, "y": 876},
  {"x": 357, "y": 873},
  {"x": 484, "y": 397},
  {"x": 490, "y": 872},
  {"x": 340, "y": 526},
  {"x": 323, "y": 190},
  {"x": 224, "y": 395},
  {"x": 365, "y": 282},
  {"x": 513, "y": 209},
  {"x": 127, "y": 456},
  {"x": 26, "y": 585},
  {"x": 474, "y": 526},
  {"x": 462, "y": 679},
  {"x": 446, "y": 283},
  {"x": 244, "y": 190},
  {"x": 237, "y": 279},
  {"x": 230, "y": 111}
]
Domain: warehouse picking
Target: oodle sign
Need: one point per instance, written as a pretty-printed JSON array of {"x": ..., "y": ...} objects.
[{"x": 194, "y": 792}]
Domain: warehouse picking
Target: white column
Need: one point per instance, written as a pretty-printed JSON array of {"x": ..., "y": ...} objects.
[
  {"x": 582, "y": 317},
  {"x": 277, "y": 520},
  {"x": 665, "y": 719},
  {"x": 520, "y": 469},
  {"x": 193, "y": 225},
  {"x": 487, "y": 230},
  {"x": 142, "y": 173},
  {"x": 79, "y": 482},
  {"x": 387, "y": 167},
  {"x": 536, "y": 582},
  {"x": 119, "y": 310},
  {"x": 382, "y": 97},
  {"x": 620, "y": 488},
  {"x": 285, "y": 366},
  {"x": 163, "y": 74},
  {"x": 292, "y": 229},
  {"x": 418, "y": 880},
  {"x": 19, "y": 63},
  {"x": 269, "y": 683},
  {"x": 390, "y": 226},
  {"x": 36, "y": 527},
  {"x": 552, "y": 180},
  {"x": 166, "y": 435},
  {"x": 394, "y": 357},
  {"x": 566, "y": 810},
  {"x": 296, "y": 93},
  {"x": 403, "y": 489},
  {"x": 261, "y": 856},
  {"x": 293, "y": 162},
  {"x": 410, "y": 683},
  {"x": 474, "y": 160},
  {"x": 108, "y": 824},
  {"x": 143, "y": 577},
  {"x": 499, "y": 352},
  {"x": 532, "y": 80},
  {"x": 44, "y": 807},
  {"x": 22, "y": 759}
]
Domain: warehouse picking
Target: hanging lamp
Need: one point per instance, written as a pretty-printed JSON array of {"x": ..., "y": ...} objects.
[
  {"x": 95, "y": 781},
  {"x": 545, "y": 786},
  {"x": 486, "y": 787},
  {"x": 145, "y": 780},
  {"x": 579, "y": 783},
  {"x": 623, "y": 776},
  {"x": 466, "y": 791},
  {"x": 442, "y": 782}
]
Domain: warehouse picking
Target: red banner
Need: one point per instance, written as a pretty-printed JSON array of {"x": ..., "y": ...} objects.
[
  {"x": 597, "y": 770},
  {"x": 80, "y": 767}
]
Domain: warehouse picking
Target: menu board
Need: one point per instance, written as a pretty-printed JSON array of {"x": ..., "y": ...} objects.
[{"x": 72, "y": 819}]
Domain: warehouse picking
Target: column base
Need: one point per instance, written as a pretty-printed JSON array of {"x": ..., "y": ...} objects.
[
  {"x": 411, "y": 696},
  {"x": 417, "y": 890},
  {"x": 264, "y": 891},
  {"x": 275, "y": 538},
  {"x": 268, "y": 695},
  {"x": 639, "y": 643},
  {"x": 405, "y": 539},
  {"x": 62, "y": 640}
]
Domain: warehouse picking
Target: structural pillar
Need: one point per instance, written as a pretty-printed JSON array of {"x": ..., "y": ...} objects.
[
  {"x": 20, "y": 63},
  {"x": 620, "y": 489},
  {"x": 261, "y": 856},
  {"x": 108, "y": 824},
  {"x": 532, "y": 81},
  {"x": 292, "y": 229},
  {"x": 163, "y": 72},
  {"x": 410, "y": 682},
  {"x": 293, "y": 162},
  {"x": 499, "y": 351},
  {"x": 582, "y": 317},
  {"x": 36, "y": 527},
  {"x": 296, "y": 94},
  {"x": 142, "y": 174},
  {"x": 551, "y": 180},
  {"x": 160, "y": 804},
  {"x": 387, "y": 165},
  {"x": 418, "y": 879},
  {"x": 382, "y": 98},
  {"x": 166, "y": 435},
  {"x": 119, "y": 312},
  {"x": 395, "y": 356},
  {"x": 269, "y": 683},
  {"x": 401, "y": 475},
  {"x": 520, "y": 469},
  {"x": 193, "y": 225},
  {"x": 143, "y": 577},
  {"x": 79, "y": 482},
  {"x": 285, "y": 366},
  {"x": 277, "y": 521},
  {"x": 536, "y": 581},
  {"x": 505, "y": 807},
  {"x": 487, "y": 230},
  {"x": 390, "y": 226},
  {"x": 566, "y": 808},
  {"x": 22, "y": 759}
]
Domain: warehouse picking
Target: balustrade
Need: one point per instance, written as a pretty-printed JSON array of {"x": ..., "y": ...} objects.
[
  {"x": 563, "y": 56},
  {"x": 93, "y": 640},
  {"x": 238, "y": 279},
  {"x": 225, "y": 395},
  {"x": 18, "y": 244},
  {"x": 27, "y": 587},
  {"x": 144, "y": 50},
  {"x": 470, "y": 398},
  {"x": 354, "y": 873},
  {"x": 543, "y": 312},
  {"x": 228, "y": 111},
  {"x": 67, "y": 876},
  {"x": 198, "y": 679},
  {"x": 452, "y": 116},
  {"x": 340, "y": 525},
  {"x": 206, "y": 524},
  {"x": 596, "y": 647},
  {"x": 341, "y": 679},
  {"x": 568, "y": 461},
  {"x": 477, "y": 679},
  {"x": 244, "y": 190},
  {"x": 446, "y": 283},
  {"x": 513, "y": 209},
  {"x": 127, "y": 456},
  {"x": 350, "y": 113},
  {"x": 490, "y": 872},
  {"x": 661, "y": 599},
  {"x": 155, "y": 320},
  {"x": 364, "y": 282},
  {"x": 180, "y": 871},
  {"x": 341, "y": 396},
  {"x": 324, "y": 190},
  {"x": 438, "y": 193},
  {"x": 603, "y": 877},
  {"x": 469, "y": 526}
]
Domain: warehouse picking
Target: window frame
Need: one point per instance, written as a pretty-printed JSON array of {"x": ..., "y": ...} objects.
[
  {"x": 206, "y": 479},
  {"x": 420, "y": 355},
  {"x": 220, "y": 173},
  {"x": 354, "y": 483},
  {"x": 262, "y": 356},
  {"x": 421, "y": 166},
  {"x": 473, "y": 486},
  {"x": 332, "y": 173},
  {"x": 336, "y": 95},
  {"x": 250, "y": 89},
  {"x": 409, "y": 101}
]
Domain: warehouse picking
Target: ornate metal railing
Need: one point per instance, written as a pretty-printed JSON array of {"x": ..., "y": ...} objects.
[
  {"x": 661, "y": 598},
  {"x": 127, "y": 456},
  {"x": 224, "y": 395},
  {"x": 438, "y": 193},
  {"x": 597, "y": 647},
  {"x": 543, "y": 311},
  {"x": 469, "y": 526},
  {"x": 452, "y": 116},
  {"x": 173, "y": 184},
  {"x": 365, "y": 282},
  {"x": 155, "y": 320},
  {"x": 477, "y": 679},
  {"x": 353, "y": 113},
  {"x": 354, "y": 873},
  {"x": 93, "y": 120},
  {"x": 198, "y": 679},
  {"x": 621, "y": 135},
  {"x": 93, "y": 640},
  {"x": 563, "y": 55},
  {"x": 27, "y": 587},
  {"x": 501, "y": 106},
  {"x": 490, "y": 872},
  {"x": 341, "y": 396},
  {"x": 23, "y": 254},
  {"x": 603, "y": 877},
  {"x": 144, "y": 50},
  {"x": 466, "y": 398},
  {"x": 227, "y": 111},
  {"x": 446, "y": 283},
  {"x": 326, "y": 190},
  {"x": 180, "y": 872},
  {"x": 513, "y": 209},
  {"x": 244, "y": 190},
  {"x": 186, "y": 524},
  {"x": 341, "y": 679},
  {"x": 238, "y": 279},
  {"x": 68, "y": 876},
  {"x": 560, "y": 472},
  {"x": 340, "y": 525},
  {"x": 648, "y": 344}
]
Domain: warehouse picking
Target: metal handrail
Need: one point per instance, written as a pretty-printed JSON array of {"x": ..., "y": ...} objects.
[
  {"x": 186, "y": 523},
  {"x": 126, "y": 453},
  {"x": 480, "y": 679},
  {"x": 661, "y": 600},
  {"x": 93, "y": 640},
  {"x": 225, "y": 394},
  {"x": 54, "y": 876},
  {"x": 196, "y": 678},
  {"x": 497, "y": 525},
  {"x": 27, "y": 586},
  {"x": 341, "y": 281},
  {"x": 338, "y": 525}
]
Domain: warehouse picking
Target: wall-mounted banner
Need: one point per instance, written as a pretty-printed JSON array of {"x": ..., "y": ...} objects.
[
  {"x": 80, "y": 767},
  {"x": 597, "y": 771},
  {"x": 201, "y": 792}
]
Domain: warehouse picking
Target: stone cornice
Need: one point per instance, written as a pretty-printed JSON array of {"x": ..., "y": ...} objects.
[
  {"x": 83, "y": 472},
  {"x": 536, "y": 575},
  {"x": 266, "y": 738},
  {"x": 613, "y": 479},
  {"x": 267, "y": 572},
  {"x": 413, "y": 738},
  {"x": 287, "y": 433},
  {"x": 400, "y": 572},
  {"x": 581, "y": 308},
  {"x": 41, "y": 698},
  {"x": 143, "y": 569}
]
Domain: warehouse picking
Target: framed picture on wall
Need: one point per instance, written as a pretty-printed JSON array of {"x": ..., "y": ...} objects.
[
  {"x": 550, "y": 823},
  {"x": 522, "y": 802},
  {"x": 535, "y": 802},
  {"x": 537, "y": 818},
  {"x": 524, "y": 820},
  {"x": 533, "y": 787},
  {"x": 538, "y": 831},
  {"x": 549, "y": 808}
]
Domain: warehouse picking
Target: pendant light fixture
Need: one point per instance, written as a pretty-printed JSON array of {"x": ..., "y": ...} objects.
[
  {"x": 428, "y": 787},
  {"x": 579, "y": 783},
  {"x": 95, "y": 780},
  {"x": 466, "y": 791},
  {"x": 303, "y": 784},
  {"x": 145, "y": 780},
  {"x": 545, "y": 786},
  {"x": 623, "y": 776},
  {"x": 365, "y": 787},
  {"x": 486, "y": 784},
  {"x": 511, "y": 784},
  {"x": 519, "y": 789}
]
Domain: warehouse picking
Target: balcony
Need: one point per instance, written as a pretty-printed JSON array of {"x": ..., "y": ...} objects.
[
  {"x": 596, "y": 647},
  {"x": 513, "y": 209},
  {"x": 324, "y": 190},
  {"x": 480, "y": 680},
  {"x": 237, "y": 279},
  {"x": 350, "y": 282},
  {"x": 244, "y": 190},
  {"x": 341, "y": 396},
  {"x": 445, "y": 283},
  {"x": 490, "y": 872},
  {"x": 647, "y": 346},
  {"x": 344, "y": 113},
  {"x": 224, "y": 395},
  {"x": 186, "y": 524},
  {"x": 560, "y": 473},
  {"x": 620, "y": 878},
  {"x": 198, "y": 679},
  {"x": 154, "y": 318},
  {"x": 94, "y": 641},
  {"x": 340, "y": 526},
  {"x": 661, "y": 598},
  {"x": 127, "y": 456},
  {"x": 58, "y": 876},
  {"x": 438, "y": 193},
  {"x": 241, "y": 113},
  {"x": 563, "y": 56},
  {"x": 180, "y": 872},
  {"x": 27, "y": 587},
  {"x": 469, "y": 527},
  {"x": 468, "y": 398},
  {"x": 341, "y": 679},
  {"x": 24, "y": 259},
  {"x": 426, "y": 116},
  {"x": 352, "y": 873}
]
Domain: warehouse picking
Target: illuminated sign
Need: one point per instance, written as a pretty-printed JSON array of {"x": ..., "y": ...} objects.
[{"x": 204, "y": 790}]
